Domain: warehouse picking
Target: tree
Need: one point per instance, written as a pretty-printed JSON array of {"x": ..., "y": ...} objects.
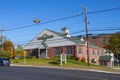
[
  {"x": 9, "y": 48},
  {"x": 114, "y": 45},
  {"x": 19, "y": 50}
]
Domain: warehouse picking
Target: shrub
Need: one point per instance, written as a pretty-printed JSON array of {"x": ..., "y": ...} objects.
[
  {"x": 56, "y": 57},
  {"x": 83, "y": 59},
  {"x": 71, "y": 57}
]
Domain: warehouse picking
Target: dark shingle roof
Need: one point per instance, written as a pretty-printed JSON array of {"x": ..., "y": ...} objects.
[{"x": 74, "y": 39}]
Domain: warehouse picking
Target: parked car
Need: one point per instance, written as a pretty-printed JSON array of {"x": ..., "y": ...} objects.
[
  {"x": 4, "y": 62},
  {"x": 117, "y": 62}
]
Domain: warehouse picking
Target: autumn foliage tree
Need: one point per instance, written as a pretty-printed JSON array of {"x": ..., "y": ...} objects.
[
  {"x": 8, "y": 49},
  {"x": 114, "y": 45}
]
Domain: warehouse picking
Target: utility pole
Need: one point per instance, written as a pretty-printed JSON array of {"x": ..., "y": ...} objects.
[
  {"x": 11, "y": 52},
  {"x": 2, "y": 35},
  {"x": 86, "y": 26}
]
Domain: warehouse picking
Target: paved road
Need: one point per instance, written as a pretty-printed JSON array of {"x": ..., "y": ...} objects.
[{"x": 30, "y": 73}]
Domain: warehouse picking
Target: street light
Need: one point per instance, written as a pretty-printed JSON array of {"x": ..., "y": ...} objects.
[{"x": 36, "y": 21}]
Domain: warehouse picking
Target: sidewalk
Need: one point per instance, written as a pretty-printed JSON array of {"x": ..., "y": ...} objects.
[
  {"x": 117, "y": 68},
  {"x": 57, "y": 67}
]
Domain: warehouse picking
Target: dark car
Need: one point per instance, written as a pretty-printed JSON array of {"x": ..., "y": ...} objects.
[{"x": 4, "y": 62}]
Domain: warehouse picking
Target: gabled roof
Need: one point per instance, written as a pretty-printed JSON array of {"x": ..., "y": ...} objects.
[
  {"x": 58, "y": 33},
  {"x": 35, "y": 43}
]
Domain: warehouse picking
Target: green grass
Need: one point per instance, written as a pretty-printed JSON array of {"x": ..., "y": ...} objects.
[{"x": 71, "y": 63}]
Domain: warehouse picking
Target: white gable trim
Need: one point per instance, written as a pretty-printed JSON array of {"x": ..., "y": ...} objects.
[{"x": 57, "y": 40}]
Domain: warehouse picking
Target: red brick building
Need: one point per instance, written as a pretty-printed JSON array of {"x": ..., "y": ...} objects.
[{"x": 49, "y": 44}]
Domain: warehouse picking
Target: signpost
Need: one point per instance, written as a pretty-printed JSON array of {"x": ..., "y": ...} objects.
[
  {"x": 24, "y": 54},
  {"x": 63, "y": 59}
]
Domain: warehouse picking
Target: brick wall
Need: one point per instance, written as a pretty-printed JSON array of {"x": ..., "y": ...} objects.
[{"x": 100, "y": 40}]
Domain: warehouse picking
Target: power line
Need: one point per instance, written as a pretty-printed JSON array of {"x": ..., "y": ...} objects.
[
  {"x": 62, "y": 35},
  {"x": 21, "y": 27},
  {"x": 69, "y": 17},
  {"x": 56, "y": 40},
  {"x": 44, "y": 22},
  {"x": 106, "y": 29},
  {"x": 105, "y": 10}
]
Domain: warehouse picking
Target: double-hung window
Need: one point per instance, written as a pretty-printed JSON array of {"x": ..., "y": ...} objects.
[
  {"x": 93, "y": 52},
  {"x": 57, "y": 51},
  {"x": 80, "y": 50},
  {"x": 98, "y": 52},
  {"x": 69, "y": 50}
]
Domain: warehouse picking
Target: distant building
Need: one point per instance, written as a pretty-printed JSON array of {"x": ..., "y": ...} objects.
[
  {"x": 49, "y": 44},
  {"x": 107, "y": 59},
  {"x": 101, "y": 40}
]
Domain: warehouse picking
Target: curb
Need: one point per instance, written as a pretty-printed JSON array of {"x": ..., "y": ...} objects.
[{"x": 67, "y": 68}]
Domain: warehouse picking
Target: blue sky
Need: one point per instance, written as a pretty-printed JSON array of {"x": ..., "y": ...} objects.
[{"x": 21, "y": 13}]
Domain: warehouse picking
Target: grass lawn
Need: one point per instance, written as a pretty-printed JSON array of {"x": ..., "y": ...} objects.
[{"x": 71, "y": 63}]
